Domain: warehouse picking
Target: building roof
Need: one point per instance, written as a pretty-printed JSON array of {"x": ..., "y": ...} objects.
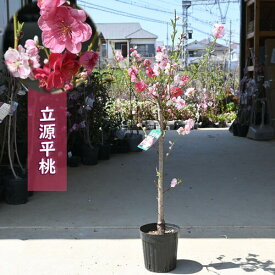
[
  {"x": 199, "y": 45},
  {"x": 124, "y": 31}
]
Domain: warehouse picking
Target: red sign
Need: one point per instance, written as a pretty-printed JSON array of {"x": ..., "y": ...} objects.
[{"x": 47, "y": 141}]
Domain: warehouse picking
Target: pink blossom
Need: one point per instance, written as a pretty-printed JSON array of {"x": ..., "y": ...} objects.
[
  {"x": 31, "y": 48},
  {"x": 190, "y": 92},
  {"x": 136, "y": 55},
  {"x": 156, "y": 69},
  {"x": 48, "y": 7},
  {"x": 68, "y": 87},
  {"x": 118, "y": 56},
  {"x": 189, "y": 125},
  {"x": 66, "y": 29},
  {"x": 88, "y": 60},
  {"x": 33, "y": 53},
  {"x": 140, "y": 86},
  {"x": 153, "y": 90},
  {"x": 161, "y": 49},
  {"x": 181, "y": 80},
  {"x": 174, "y": 183},
  {"x": 180, "y": 103},
  {"x": 150, "y": 72},
  {"x": 218, "y": 31},
  {"x": 162, "y": 60},
  {"x": 132, "y": 72},
  {"x": 203, "y": 105},
  {"x": 147, "y": 62},
  {"x": 18, "y": 62},
  {"x": 181, "y": 131}
]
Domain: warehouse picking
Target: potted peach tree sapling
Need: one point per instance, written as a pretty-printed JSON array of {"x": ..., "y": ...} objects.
[{"x": 162, "y": 84}]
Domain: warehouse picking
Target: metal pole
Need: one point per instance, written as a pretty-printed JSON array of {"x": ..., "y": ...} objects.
[
  {"x": 185, "y": 6},
  {"x": 167, "y": 35},
  {"x": 230, "y": 35}
]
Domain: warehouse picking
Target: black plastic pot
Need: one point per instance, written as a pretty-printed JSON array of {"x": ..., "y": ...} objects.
[
  {"x": 160, "y": 251},
  {"x": 242, "y": 130},
  {"x": 89, "y": 155},
  {"x": 73, "y": 161},
  {"x": 133, "y": 141},
  {"x": 16, "y": 190},
  {"x": 120, "y": 146},
  {"x": 2, "y": 189},
  {"x": 178, "y": 124},
  {"x": 104, "y": 151}
]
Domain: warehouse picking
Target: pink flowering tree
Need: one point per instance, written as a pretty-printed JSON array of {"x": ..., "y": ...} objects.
[
  {"x": 67, "y": 64},
  {"x": 161, "y": 83}
]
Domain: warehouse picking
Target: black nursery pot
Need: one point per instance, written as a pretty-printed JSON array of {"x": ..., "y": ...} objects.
[
  {"x": 242, "y": 130},
  {"x": 133, "y": 141},
  {"x": 89, "y": 155},
  {"x": 2, "y": 189},
  {"x": 160, "y": 251},
  {"x": 73, "y": 161},
  {"x": 104, "y": 151},
  {"x": 16, "y": 190},
  {"x": 120, "y": 146}
]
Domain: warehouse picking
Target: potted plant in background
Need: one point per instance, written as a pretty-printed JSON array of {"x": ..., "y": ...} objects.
[
  {"x": 162, "y": 84},
  {"x": 133, "y": 139},
  {"x": 14, "y": 182},
  {"x": 56, "y": 66}
]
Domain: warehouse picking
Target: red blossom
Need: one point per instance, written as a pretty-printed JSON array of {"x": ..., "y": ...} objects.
[
  {"x": 140, "y": 86},
  {"x": 175, "y": 92}
]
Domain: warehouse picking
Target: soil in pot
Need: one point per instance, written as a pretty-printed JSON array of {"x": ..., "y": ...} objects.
[
  {"x": 104, "y": 151},
  {"x": 16, "y": 190},
  {"x": 160, "y": 251},
  {"x": 133, "y": 141},
  {"x": 89, "y": 155}
]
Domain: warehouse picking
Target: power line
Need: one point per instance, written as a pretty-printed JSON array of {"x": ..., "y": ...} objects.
[
  {"x": 159, "y": 10},
  {"x": 131, "y": 15}
]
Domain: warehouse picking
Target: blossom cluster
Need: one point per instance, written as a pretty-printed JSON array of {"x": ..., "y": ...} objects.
[
  {"x": 63, "y": 31},
  {"x": 158, "y": 81},
  {"x": 22, "y": 61}
]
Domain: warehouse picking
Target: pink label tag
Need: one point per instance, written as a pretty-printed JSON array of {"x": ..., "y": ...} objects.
[{"x": 47, "y": 141}]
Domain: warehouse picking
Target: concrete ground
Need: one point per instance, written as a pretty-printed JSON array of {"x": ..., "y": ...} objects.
[{"x": 226, "y": 200}]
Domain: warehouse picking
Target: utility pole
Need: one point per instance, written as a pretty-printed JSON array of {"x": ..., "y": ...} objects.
[
  {"x": 167, "y": 36},
  {"x": 185, "y": 6},
  {"x": 230, "y": 35}
]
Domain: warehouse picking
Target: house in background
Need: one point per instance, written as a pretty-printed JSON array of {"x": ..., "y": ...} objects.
[
  {"x": 123, "y": 36},
  {"x": 197, "y": 49}
]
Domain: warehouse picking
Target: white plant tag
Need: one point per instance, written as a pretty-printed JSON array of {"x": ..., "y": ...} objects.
[
  {"x": 4, "y": 110},
  {"x": 273, "y": 57}
]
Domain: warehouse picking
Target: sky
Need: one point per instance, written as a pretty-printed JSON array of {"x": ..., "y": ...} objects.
[{"x": 201, "y": 17}]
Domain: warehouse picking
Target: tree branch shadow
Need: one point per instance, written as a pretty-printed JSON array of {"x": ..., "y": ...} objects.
[{"x": 251, "y": 263}]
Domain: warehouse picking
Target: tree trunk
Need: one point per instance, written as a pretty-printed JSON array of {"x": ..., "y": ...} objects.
[{"x": 161, "y": 222}]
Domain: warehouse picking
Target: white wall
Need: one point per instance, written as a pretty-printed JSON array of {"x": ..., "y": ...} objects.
[
  {"x": 143, "y": 41},
  {"x": 111, "y": 43}
]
